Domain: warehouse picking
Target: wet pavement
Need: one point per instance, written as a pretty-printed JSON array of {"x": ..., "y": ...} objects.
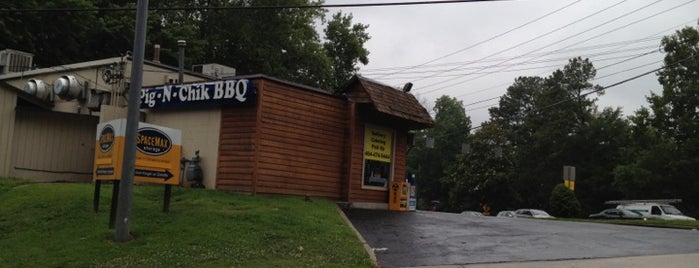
[{"x": 424, "y": 238}]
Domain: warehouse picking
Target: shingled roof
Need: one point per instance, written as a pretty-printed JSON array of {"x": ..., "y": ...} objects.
[{"x": 388, "y": 100}]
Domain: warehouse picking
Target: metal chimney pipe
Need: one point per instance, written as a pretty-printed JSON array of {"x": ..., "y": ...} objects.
[
  {"x": 156, "y": 53},
  {"x": 181, "y": 44}
]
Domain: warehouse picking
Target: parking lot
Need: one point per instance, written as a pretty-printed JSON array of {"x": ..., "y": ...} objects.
[{"x": 423, "y": 238}]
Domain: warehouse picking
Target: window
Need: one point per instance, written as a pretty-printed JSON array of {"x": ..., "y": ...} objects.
[
  {"x": 378, "y": 156},
  {"x": 655, "y": 210}
]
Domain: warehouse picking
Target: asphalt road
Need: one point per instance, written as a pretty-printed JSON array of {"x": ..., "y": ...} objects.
[{"x": 423, "y": 238}]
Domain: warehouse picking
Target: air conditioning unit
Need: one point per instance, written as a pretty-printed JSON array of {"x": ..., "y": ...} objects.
[
  {"x": 214, "y": 69},
  {"x": 13, "y": 61}
]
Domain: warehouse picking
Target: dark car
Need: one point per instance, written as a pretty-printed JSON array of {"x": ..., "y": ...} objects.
[{"x": 614, "y": 213}]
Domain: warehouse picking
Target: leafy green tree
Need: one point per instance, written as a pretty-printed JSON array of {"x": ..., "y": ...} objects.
[
  {"x": 429, "y": 165},
  {"x": 677, "y": 109},
  {"x": 640, "y": 173},
  {"x": 563, "y": 202},
  {"x": 345, "y": 47},
  {"x": 51, "y": 36},
  {"x": 597, "y": 148},
  {"x": 483, "y": 175},
  {"x": 666, "y": 152},
  {"x": 553, "y": 129},
  {"x": 551, "y": 122},
  {"x": 281, "y": 42}
]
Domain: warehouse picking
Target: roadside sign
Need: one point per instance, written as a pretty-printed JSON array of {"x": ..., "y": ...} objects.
[{"x": 157, "y": 156}]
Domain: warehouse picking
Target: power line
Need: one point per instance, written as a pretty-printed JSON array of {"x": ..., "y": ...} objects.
[
  {"x": 559, "y": 51},
  {"x": 487, "y": 40},
  {"x": 507, "y": 83},
  {"x": 595, "y": 79},
  {"x": 587, "y": 93},
  {"x": 582, "y": 95},
  {"x": 533, "y": 39},
  {"x": 204, "y": 8},
  {"x": 559, "y": 41},
  {"x": 596, "y": 36},
  {"x": 482, "y": 68}
]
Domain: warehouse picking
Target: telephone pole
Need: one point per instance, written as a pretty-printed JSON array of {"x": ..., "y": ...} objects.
[{"x": 126, "y": 184}]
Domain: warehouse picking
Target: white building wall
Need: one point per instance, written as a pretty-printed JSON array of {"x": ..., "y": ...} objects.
[
  {"x": 200, "y": 131},
  {"x": 51, "y": 146}
]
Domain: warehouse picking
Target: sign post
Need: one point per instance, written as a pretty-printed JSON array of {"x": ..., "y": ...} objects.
[{"x": 569, "y": 177}]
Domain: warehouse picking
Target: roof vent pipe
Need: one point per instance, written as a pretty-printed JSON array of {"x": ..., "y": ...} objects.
[
  {"x": 181, "y": 44},
  {"x": 156, "y": 53}
]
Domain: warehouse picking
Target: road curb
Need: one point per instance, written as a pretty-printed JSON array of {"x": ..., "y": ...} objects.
[{"x": 368, "y": 249}]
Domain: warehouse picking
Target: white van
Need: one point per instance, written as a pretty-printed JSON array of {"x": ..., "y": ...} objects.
[{"x": 656, "y": 211}]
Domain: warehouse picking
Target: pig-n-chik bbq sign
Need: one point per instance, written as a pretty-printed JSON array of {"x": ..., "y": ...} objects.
[{"x": 209, "y": 94}]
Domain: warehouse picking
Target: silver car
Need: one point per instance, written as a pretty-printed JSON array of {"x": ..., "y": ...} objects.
[
  {"x": 532, "y": 213},
  {"x": 507, "y": 213}
]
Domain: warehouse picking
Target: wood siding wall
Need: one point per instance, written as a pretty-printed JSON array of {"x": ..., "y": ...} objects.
[
  {"x": 8, "y": 100},
  {"x": 301, "y": 142},
  {"x": 236, "y": 149},
  {"x": 51, "y": 146},
  {"x": 296, "y": 141}
]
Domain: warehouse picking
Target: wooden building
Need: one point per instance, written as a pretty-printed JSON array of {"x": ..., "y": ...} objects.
[
  {"x": 256, "y": 134},
  {"x": 294, "y": 139}
]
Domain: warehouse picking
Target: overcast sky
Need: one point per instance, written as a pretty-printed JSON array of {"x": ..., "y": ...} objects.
[{"x": 473, "y": 51}]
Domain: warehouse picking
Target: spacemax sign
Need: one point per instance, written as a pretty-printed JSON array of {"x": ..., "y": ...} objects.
[{"x": 158, "y": 152}]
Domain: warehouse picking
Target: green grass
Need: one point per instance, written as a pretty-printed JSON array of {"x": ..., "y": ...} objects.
[{"x": 53, "y": 225}]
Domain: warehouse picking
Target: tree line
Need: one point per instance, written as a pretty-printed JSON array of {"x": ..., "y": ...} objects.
[
  {"x": 516, "y": 158},
  {"x": 282, "y": 42}
]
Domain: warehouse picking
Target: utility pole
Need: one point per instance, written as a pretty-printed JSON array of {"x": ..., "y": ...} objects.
[{"x": 126, "y": 184}]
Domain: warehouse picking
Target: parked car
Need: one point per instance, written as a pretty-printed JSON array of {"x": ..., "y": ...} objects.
[
  {"x": 472, "y": 213},
  {"x": 507, "y": 213},
  {"x": 532, "y": 213},
  {"x": 656, "y": 211},
  {"x": 614, "y": 213}
]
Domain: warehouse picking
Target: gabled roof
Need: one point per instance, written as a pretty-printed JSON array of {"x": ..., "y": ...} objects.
[{"x": 388, "y": 100}]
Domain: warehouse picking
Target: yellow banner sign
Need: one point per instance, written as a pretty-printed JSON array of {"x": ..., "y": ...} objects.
[
  {"x": 157, "y": 156},
  {"x": 378, "y": 144}
]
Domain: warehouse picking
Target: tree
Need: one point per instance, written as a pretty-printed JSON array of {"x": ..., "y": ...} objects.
[
  {"x": 666, "y": 152},
  {"x": 281, "y": 42},
  {"x": 563, "y": 202},
  {"x": 598, "y": 147},
  {"x": 551, "y": 141},
  {"x": 677, "y": 109},
  {"x": 483, "y": 174},
  {"x": 52, "y": 37},
  {"x": 430, "y": 164},
  {"x": 550, "y": 122},
  {"x": 345, "y": 47}
]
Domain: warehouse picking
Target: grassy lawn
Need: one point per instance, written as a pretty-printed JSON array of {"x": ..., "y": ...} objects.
[{"x": 53, "y": 225}]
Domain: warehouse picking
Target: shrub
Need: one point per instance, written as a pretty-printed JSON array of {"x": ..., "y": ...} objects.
[{"x": 563, "y": 202}]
